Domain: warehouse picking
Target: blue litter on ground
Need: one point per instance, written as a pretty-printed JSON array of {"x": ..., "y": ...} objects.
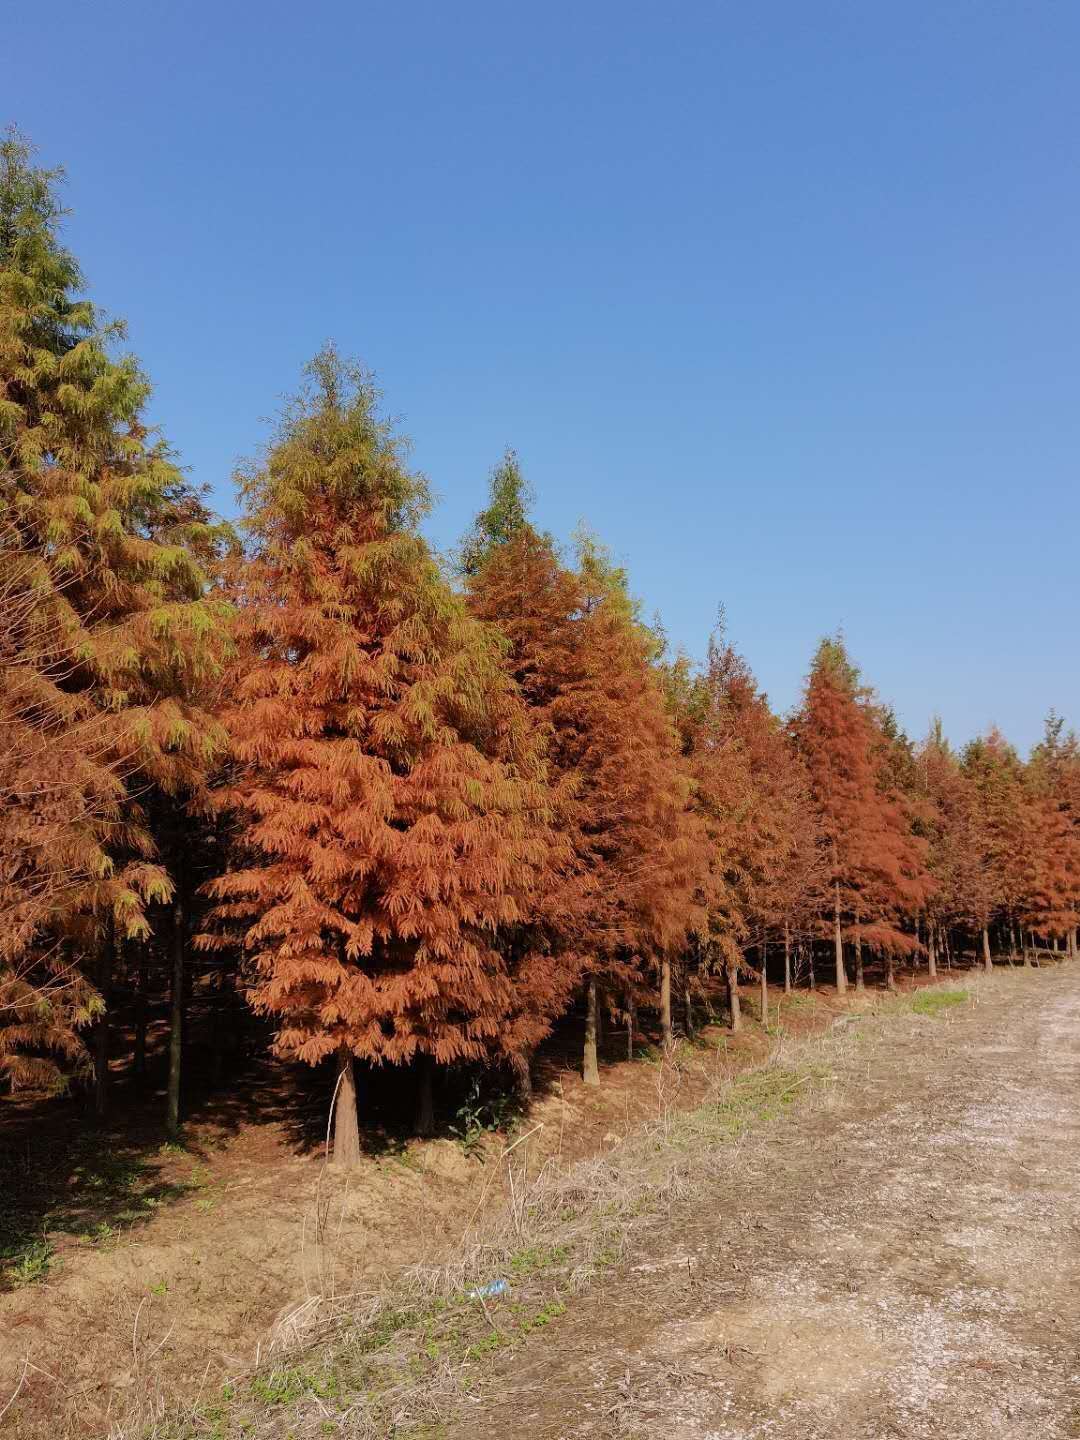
[{"x": 485, "y": 1292}]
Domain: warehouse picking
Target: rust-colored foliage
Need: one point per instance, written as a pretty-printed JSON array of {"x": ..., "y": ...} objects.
[
  {"x": 999, "y": 835},
  {"x": 61, "y": 802},
  {"x": 582, "y": 661},
  {"x": 760, "y": 871},
  {"x": 877, "y": 871},
  {"x": 390, "y": 811},
  {"x": 1051, "y": 903}
]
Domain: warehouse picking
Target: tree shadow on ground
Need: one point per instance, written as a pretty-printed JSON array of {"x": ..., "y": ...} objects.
[{"x": 67, "y": 1177}]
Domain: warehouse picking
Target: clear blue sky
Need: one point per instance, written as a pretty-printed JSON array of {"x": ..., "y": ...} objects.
[{"x": 784, "y": 298}]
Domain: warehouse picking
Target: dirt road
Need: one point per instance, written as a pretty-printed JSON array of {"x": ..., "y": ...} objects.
[{"x": 902, "y": 1261}]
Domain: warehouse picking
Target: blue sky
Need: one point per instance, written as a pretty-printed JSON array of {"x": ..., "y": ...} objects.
[{"x": 783, "y": 299}]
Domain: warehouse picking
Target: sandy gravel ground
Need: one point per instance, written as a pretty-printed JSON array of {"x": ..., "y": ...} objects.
[{"x": 902, "y": 1260}]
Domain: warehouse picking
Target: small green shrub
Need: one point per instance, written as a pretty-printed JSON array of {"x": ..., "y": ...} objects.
[
  {"x": 480, "y": 1115},
  {"x": 26, "y": 1266}
]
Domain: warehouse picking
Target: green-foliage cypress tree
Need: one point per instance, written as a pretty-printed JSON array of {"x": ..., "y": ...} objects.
[{"x": 104, "y": 542}]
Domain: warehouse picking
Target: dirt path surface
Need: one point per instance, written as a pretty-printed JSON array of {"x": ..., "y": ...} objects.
[{"x": 899, "y": 1260}]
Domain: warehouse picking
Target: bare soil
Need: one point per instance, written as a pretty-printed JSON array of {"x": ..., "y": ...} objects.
[{"x": 901, "y": 1259}]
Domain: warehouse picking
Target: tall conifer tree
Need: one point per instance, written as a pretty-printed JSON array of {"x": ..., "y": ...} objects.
[
  {"x": 389, "y": 802},
  {"x": 583, "y": 663},
  {"x": 993, "y": 769},
  {"x": 876, "y": 863},
  {"x": 102, "y": 537}
]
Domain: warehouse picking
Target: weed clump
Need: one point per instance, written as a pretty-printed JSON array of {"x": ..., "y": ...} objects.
[{"x": 935, "y": 1002}]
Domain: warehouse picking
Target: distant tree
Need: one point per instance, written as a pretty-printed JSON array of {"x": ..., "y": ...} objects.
[
  {"x": 1052, "y": 790},
  {"x": 960, "y": 879},
  {"x": 877, "y": 870},
  {"x": 733, "y": 747},
  {"x": 993, "y": 769},
  {"x": 581, "y": 660}
]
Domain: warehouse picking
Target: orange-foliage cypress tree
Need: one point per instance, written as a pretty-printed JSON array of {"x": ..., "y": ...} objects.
[
  {"x": 1052, "y": 901},
  {"x": 1000, "y": 834},
  {"x": 960, "y": 887},
  {"x": 61, "y": 803},
  {"x": 582, "y": 662},
  {"x": 877, "y": 872},
  {"x": 751, "y": 795},
  {"x": 390, "y": 807}
]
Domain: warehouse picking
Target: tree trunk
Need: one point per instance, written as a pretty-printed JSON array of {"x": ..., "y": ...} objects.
[
  {"x": 590, "y": 1071},
  {"x": 810, "y": 959},
  {"x": 629, "y": 1023},
  {"x": 346, "y": 1127},
  {"x": 667, "y": 1037},
  {"x": 101, "y": 1036},
  {"x": 764, "y": 983},
  {"x": 988, "y": 964},
  {"x": 425, "y": 1096},
  {"x": 138, "y": 1064},
  {"x": 787, "y": 960},
  {"x": 733, "y": 997},
  {"x": 890, "y": 971},
  {"x": 931, "y": 951},
  {"x": 688, "y": 1008},
  {"x": 860, "y": 979},
  {"x": 522, "y": 1066},
  {"x": 176, "y": 1018},
  {"x": 1072, "y": 943},
  {"x": 218, "y": 1028},
  {"x": 109, "y": 942},
  {"x": 841, "y": 976}
]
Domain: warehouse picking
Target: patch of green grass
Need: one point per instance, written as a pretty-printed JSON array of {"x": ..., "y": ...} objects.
[
  {"x": 934, "y": 1002},
  {"x": 491, "y": 1342},
  {"x": 28, "y": 1265},
  {"x": 379, "y": 1335},
  {"x": 543, "y": 1317},
  {"x": 286, "y": 1386},
  {"x": 648, "y": 1052},
  {"x": 797, "y": 1000},
  {"x": 102, "y": 1234},
  {"x": 751, "y": 1098},
  {"x": 536, "y": 1257}
]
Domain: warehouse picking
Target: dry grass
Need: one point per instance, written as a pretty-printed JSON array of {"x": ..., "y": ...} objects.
[{"x": 400, "y": 1359}]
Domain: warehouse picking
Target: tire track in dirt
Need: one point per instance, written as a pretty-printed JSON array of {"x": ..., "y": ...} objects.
[{"x": 902, "y": 1260}]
